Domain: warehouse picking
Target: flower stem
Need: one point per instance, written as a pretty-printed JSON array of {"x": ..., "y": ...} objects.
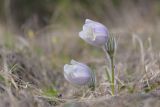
[
  {"x": 92, "y": 84},
  {"x": 112, "y": 81},
  {"x": 92, "y": 88}
]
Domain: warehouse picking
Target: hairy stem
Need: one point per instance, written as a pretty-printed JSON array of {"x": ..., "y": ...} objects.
[{"x": 112, "y": 81}]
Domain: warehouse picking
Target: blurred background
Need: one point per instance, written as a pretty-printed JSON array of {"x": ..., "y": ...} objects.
[
  {"x": 24, "y": 14},
  {"x": 37, "y": 37}
]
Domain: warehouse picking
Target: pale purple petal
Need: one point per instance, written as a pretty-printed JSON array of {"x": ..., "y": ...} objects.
[
  {"x": 77, "y": 73},
  {"x": 82, "y": 35},
  {"x": 89, "y": 21},
  {"x": 94, "y": 33}
]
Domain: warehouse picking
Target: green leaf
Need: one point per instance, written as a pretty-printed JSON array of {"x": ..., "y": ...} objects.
[
  {"x": 50, "y": 92},
  {"x": 1, "y": 78},
  {"x": 108, "y": 74}
]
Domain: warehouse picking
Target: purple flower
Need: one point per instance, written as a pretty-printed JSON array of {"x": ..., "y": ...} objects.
[
  {"x": 77, "y": 73},
  {"x": 94, "y": 33}
]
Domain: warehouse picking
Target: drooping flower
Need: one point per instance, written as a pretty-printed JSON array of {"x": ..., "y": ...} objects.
[
  {"x": 78, "y": 73},
  {"x": 94, "y": 33}
]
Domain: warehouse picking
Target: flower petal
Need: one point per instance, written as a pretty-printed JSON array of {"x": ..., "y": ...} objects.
[
  {"x": 82, "y": 35},
  {"x": 94, "y": 33},
  {"x": 89, "y": 21},
  {"x": 74, "y": 62}
]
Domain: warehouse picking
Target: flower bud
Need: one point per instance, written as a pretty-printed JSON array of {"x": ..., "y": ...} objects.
[
  {"x": 78, "y": 73},
  {"x": 94, "y": 33},
  {"x": 110, "y": 46}
]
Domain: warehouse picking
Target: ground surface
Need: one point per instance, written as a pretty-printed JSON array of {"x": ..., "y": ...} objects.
[{"x": 31, "y": 68}]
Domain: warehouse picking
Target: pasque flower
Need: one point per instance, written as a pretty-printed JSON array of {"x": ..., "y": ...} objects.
[
  {"x": 94, "y": 33},
  {"x": 78, "y": 73}
]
